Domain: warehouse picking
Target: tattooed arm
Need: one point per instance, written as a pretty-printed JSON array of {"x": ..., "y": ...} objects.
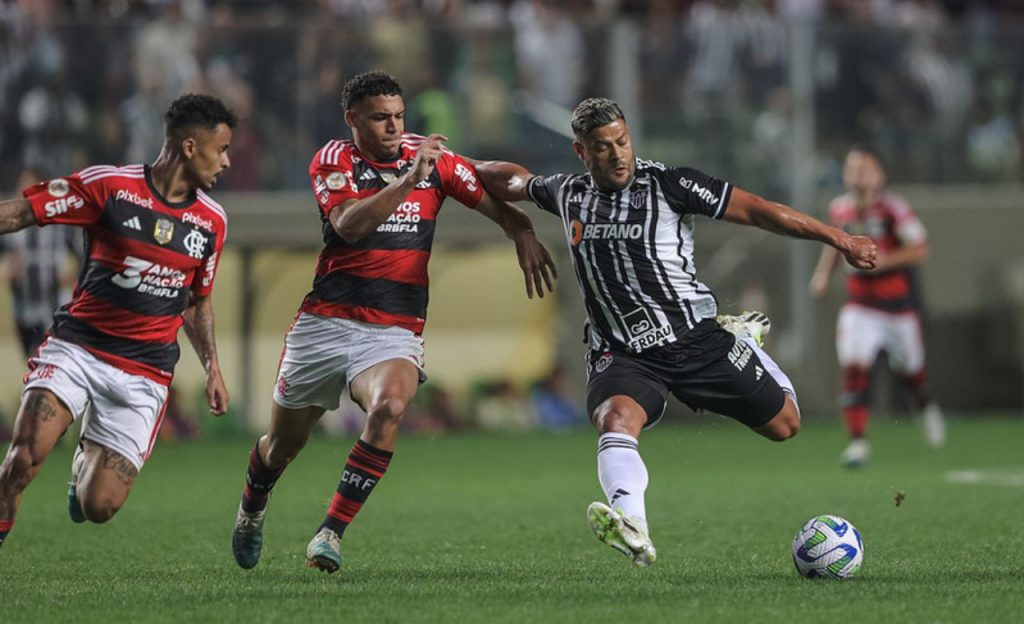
[{"x": 198, "y": 322}]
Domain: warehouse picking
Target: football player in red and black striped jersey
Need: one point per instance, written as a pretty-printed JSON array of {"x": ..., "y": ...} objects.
[
  {"x": 882, "y": 309},
  {"x": 377, "y": 198},
  {"x": 154, "y": 240}
]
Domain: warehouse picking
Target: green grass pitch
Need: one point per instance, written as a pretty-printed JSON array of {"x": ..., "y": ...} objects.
[{"x": 487, "y": 528}]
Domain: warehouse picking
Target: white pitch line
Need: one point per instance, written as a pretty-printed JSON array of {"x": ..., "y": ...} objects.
[{"x": 1012, "y": 477}]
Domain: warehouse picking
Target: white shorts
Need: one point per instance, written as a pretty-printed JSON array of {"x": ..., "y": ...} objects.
[
  {"x": 120, "y": 411},
  {"x": 322, "y": 354},
  {"x": 863, "y": 332}
]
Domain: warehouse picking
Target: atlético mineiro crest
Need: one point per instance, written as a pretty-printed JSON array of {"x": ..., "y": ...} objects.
[
  {"x": 163, "y": 231},
  {"x": 602, "y": 363}
]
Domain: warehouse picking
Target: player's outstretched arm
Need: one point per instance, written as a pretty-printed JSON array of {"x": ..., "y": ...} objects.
[
  {"x": 749, "y": 209},
  {"x": 198, "y": 322},
  {"x": 535, "y": 261},
  {"x": 504, "y": 180},
  {"x": 356, "y": 218},
  {"x": 15, "y": 214}
]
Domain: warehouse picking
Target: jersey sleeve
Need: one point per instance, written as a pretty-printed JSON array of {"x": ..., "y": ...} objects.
[
  {"x": 459, "y": 180},
  {"x": 543, "y": 190},
  {"x": 202, "y": 284},
  {"x": 67, "y": 200},
  {"x": 333, "y": 184},
  {"x": 906, "y": 224},
  {"x": 690, "y": 191}
]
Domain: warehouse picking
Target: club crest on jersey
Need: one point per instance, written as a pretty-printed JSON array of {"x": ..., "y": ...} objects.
[
  {"x": 195, "y": 243},
  {"x": 602, "y": 363},
  {"x": 637, "y": 199},
  {"x": 163, "y": 231},
  {"x": 58, "y": 187}
]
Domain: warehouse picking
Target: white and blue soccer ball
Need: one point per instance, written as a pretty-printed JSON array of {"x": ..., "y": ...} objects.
[{"x": 829, "y": 547}]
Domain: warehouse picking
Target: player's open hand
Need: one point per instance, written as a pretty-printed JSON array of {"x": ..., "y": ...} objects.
[
  {"x": 535, "y": 261},
  {"x": 216, "y": 393},
  {"x": 860, "y": 252},
  {"x": 427, "y": 155}
]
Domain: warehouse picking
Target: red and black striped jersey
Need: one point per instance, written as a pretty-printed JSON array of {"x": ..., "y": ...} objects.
[
  {"x": 382, "y": 278},
  {"x": 891, "y": 223},
  {"x": 144, "y": 258}
]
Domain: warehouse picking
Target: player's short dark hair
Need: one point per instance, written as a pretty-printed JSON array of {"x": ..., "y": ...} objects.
[
  {"x": 368, "y": 84},
  {"x": 592, "y": 113},
  {"x": 870, "y": 150},
  {"x": 196, "y": 110}
]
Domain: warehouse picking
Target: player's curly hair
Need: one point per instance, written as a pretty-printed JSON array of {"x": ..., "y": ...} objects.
[
  {"x": 196, "y": 110},
  {"x": 367, "y": 85},
  {"x": 592, "y": 113}
]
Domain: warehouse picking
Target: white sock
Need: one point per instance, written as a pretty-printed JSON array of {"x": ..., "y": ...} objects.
[{"x": 622, "y": 473}]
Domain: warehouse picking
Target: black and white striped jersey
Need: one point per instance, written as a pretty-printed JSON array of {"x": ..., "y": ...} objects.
[{"x": 632, "y": 250}]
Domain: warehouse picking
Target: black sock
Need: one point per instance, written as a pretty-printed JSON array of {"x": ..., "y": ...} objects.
[
  {"x": 365, "y": 466},
  {"x": 259, "y": 480}
]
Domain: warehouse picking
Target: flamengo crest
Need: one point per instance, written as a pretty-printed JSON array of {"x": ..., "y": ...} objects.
[{"x": 195, "y": 243}]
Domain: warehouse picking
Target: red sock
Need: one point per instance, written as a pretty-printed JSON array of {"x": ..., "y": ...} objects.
[
  {"x": 856, "y": 419},
  {"x": 259, "y": 481},
  {"x": 855, "y": 399},
  {"x": 916, "y": 384},
  {"x": 365, "y": 466},
  {"x": 5, "y": 528}
]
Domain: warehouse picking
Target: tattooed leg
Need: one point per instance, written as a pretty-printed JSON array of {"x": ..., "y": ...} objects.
[
  {"x": 104, "y": 482},
  {"x": 41, "y": 421}
]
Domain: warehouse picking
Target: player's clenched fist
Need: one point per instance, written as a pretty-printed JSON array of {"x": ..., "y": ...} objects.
[
  {"x": 860, "y": 252},
  {"x": 427, "y": 156}
]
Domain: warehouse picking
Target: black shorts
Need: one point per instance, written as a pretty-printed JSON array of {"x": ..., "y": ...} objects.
[{"x": 708, "y": 369}]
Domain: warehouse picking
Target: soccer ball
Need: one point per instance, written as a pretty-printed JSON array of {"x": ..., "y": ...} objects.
[{"x": 827, "y": 546}]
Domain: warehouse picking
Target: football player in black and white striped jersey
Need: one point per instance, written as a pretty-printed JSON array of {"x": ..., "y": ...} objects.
[{"x": 629, "y": 226}]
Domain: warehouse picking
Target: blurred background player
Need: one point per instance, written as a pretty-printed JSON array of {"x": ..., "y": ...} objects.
[
  {"x": 41, "y": 268},
  {"x": 154, "y": 240},
  {"x": 883, "y": 308},
  {"x": 652, "y": 325},
  {"x": 378, "y": 196}
]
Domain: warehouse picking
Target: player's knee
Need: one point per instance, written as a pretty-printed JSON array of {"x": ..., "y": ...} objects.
[
  {"x": 616, "y": 417},
  {"x": 387, "y": 410},
  {"x": 784, "y": 427},
  {"x": 99, "y": 509}
]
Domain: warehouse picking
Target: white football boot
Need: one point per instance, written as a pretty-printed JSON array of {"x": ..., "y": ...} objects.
[
  {"x": 856, "y": 453},
  {"x": 625, "y": 534},
  {"x": 748, "y": 324},
  {"x": 324, "y": 551}
]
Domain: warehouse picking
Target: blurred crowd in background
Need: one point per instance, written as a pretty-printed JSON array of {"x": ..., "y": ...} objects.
[{"x": 938, "y": 86}]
